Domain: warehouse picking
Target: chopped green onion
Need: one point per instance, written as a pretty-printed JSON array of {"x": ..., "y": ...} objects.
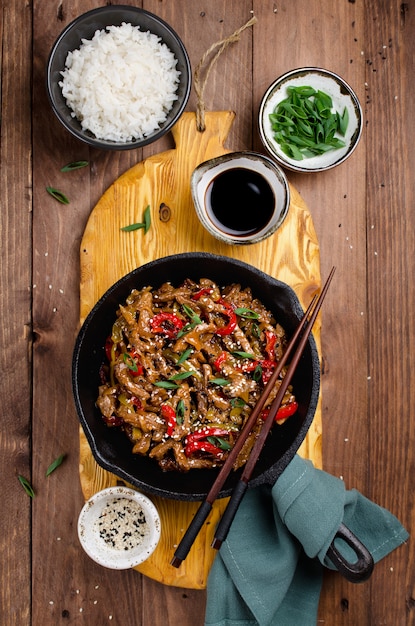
[
  {"x": 244, "y": 355},
  {"x": 248, "y": 313},
  {"x": 255, "y": 330},
  {"x": 130, "y": 363},
  {"x": 165, "y": 384},
  {"x": 219, "y": 442},
  {"x": 186, "y": 328},
  {"x": 222, "y": 382},
  {"x": 184, "y": 356},
  {"x": 147, "y": 219},
  {"x": 145, "y": 224},
  {"x": 257, "y": 373},
  {"x": 343, "y": 121},
  {"x": 75, "y": 165},
  {"x": 132, "y": 227},
  {"x": 182, "y": 375},
  {"x": 237, "y": 403},
  {"x": 55, "y": 464},
  {"x": 58, "y": 195},
  {"x": 190, "y": 313},
  {"x": 180, "y": 411},
  {"x": 305, "y": 123},
  {"x": 26, "y": 486},
  {"x": 195, "y": 320}
]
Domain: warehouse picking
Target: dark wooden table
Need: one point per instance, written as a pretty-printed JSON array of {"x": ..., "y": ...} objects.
[{"x": 363, "y": 213}]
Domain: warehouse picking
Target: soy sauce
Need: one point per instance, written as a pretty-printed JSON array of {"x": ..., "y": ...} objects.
[{"x": 239, "y": 202}]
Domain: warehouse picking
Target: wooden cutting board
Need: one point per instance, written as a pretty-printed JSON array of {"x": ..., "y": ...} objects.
[{"x": 107, "y": 253}]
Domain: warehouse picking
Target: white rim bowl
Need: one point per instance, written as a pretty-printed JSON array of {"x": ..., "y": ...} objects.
[
  {"x": 342, "y": 95},
  {"x": 115, "y": 537},
  {"x": 205, "y": 173}
]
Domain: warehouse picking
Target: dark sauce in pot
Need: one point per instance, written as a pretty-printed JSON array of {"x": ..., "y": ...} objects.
[{"x": 239, "y": 202}]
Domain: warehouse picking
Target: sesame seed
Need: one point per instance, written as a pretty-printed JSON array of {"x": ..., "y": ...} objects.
[{"x": 122, "y": 524}]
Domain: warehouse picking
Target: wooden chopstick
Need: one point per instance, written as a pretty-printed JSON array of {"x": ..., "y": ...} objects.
[
  {"x": 206, "y": 506},
  {"x": 242, "y": 485}
]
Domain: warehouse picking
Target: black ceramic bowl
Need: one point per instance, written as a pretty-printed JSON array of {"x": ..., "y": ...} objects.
[
  {"x": 84, "y": 27},
  {"x": 111, "y": 448}
]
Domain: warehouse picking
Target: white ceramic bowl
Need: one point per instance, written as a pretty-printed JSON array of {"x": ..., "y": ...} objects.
[
  {"x": 342, "y": 96},
  {"x": 119, "y": 527},
  {"x": 253, "y": 199}
]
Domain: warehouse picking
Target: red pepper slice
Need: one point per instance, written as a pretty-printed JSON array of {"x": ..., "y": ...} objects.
[
  {"x": 197, "y": 441},
  {"x": 220, "y": 360},
  {"x": 286, "y": 410},
  {"x": 167, "y": 324},
  {"x": 140, "y": 369},
  {"x": 232, "y": 319},
  {"x": 266, "y": 365},
  {"x": 203, "y": 446},
  {"x": 206, "y": 291},
  {"x": 270, "y": 345},
  {"x": 267, "y": 369},
  {"x": 169, "y": 415}
]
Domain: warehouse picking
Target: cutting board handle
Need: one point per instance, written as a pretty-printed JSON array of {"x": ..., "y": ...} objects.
[{"x": 206, "y": 144}]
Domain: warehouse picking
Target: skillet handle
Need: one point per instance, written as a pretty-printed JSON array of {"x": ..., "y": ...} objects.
[{"x": 356, "y": 572}]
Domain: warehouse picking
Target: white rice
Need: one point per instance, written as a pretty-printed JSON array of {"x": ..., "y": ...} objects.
[{"x": 121, "y": 84}]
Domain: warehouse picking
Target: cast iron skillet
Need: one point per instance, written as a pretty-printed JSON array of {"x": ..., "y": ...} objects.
[{"x": 111, "y": 448}]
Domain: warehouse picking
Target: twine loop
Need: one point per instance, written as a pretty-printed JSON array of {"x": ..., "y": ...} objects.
[{"x": 199, "y": 83}]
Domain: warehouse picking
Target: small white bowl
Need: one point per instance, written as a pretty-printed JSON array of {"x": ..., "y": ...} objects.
[
  {"x": 342, "y": 96},
  {"x": 250, "y": 201},
  {"x": 119, "y": 528}
]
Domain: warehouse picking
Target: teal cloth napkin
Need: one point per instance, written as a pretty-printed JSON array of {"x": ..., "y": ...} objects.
[{"x": 269, "y": 570}]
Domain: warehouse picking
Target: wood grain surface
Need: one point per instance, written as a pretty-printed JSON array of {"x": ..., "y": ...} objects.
[{"x": 362, "y": 212}]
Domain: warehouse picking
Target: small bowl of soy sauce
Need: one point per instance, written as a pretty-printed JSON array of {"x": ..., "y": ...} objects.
[{"x": 240, "y": 197}]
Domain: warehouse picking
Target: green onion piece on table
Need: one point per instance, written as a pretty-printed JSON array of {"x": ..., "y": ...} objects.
[
  {"x": 56, "y": 463},
  {"x": 26, "y": 486},
  {"x": 75, "y": 165},
  {"x": 58, "y": 195}
]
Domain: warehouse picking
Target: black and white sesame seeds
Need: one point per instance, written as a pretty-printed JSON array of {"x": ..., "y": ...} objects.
[{"x": 122, "y": 524}]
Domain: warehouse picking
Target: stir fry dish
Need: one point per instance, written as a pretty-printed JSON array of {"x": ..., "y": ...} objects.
[{"x": 184, "y": 368}]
